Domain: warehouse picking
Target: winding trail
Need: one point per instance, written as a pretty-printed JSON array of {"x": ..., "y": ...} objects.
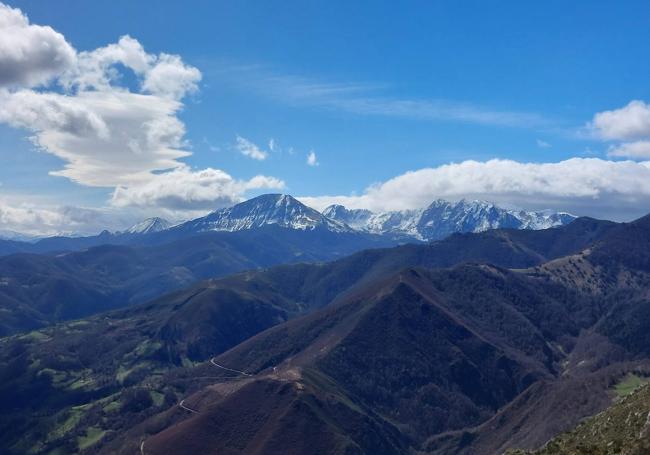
[
  {"x": 182, "y": 405},
  {"x": 229, "y": 369}
]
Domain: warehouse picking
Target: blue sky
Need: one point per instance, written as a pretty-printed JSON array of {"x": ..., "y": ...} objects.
[{"x": 373, "y": 89}]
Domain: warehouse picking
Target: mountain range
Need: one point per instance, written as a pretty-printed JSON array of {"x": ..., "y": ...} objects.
[
  {"x": 270, "y": 209},
  {"x": 272, "y": 328},
  {"x": 443, "y": 218},
  {"x": 60, "y": 278},
  {"x": 433, "y": 223},
  {"x": 476, "y": 343}
]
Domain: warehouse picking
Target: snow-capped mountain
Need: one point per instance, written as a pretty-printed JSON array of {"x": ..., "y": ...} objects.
[
  {"x": 443, "y": 218},
  {"x": 149, "y": 225},
  {"x": 6, "y": 234},
  {"x": 346, "y": 230},
  {"x": 15, "y": 236},
  {"x": 269, "y": 209}
]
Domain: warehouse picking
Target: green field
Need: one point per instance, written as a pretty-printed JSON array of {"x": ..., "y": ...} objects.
[{"x": 629, "y": 384}]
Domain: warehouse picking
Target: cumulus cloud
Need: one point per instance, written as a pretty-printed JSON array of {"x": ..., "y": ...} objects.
[
  {"x": 111, "y": 115},
  {"x": 585, "y": 186},
  {"x": 30, "y": 55},
  {"x": 251, "y": 150},
  {"x": 311, "y": 159},
  {"x": 629, "y": 124},
  {"x": 105, "y": 138},
  {"x": 184, "y": 189},
  {"x": 106, "y": 133},
  {"x": 50, "y": 112},
  {"x": 171, "y": 78},
  {"x": 635, "y": 150},
  {"x": 95, "y": 70},
  {"x": 160, "y": 75}
]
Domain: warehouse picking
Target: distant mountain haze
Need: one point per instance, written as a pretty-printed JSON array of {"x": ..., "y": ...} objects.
[
  {"x": 435, "y": 222},
  {"x": 77, "y": 277}
]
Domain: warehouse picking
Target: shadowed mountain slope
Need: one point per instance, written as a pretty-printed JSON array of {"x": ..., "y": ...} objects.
[
  {"x": 36, "y": 290},
  {"x": 424, "y": 351}
]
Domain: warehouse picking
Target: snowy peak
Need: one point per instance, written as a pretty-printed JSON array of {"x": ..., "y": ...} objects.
[
  {"x": 6, "y": 234},
  {"x": 543, "y": 219},
  {"x": 398, "y": 223},
  {"x": 149, "y": 226},
  {"x": 269, "y": 209},
  {"x": 355, "y": 218},
  {"x": 442, "y": 218}
]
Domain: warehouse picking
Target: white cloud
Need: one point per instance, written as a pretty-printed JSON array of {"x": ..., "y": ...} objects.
[
  {"x": 630, "y": 124},
  {"x": 30, "y": 55},
  {"x": 50, "y": 112},
  {"x": 162, "y": 75},
  {"x": 106, "y": 134},
  {"x": 542, "y": 144},
  {"x": 585, "y": 186},
  {"x": 111, "y": 115},
  {"x": 249, "y": 149},
  {"x": 170, "y": 77},
  {"x": 44, "y": 219},
  {"x": 635, "y": 150},
  {"x": 106, "y": 138},
  {"x": 627, "y": 123},
  {"x": 95, "y": 70},
  {"x": 311, "y": 159},
  {"x": 29, "y": 219},
  {"x": 184, "y": 189}
]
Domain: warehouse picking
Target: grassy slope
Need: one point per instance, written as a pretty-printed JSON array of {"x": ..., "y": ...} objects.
[{"x": 622, "y": 429}]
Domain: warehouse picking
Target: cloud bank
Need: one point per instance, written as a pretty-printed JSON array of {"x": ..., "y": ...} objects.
[
  {"x": 183, "y": 189},
  {"x": 584, "y": 186},
  {"x": 38, "y": 218}
]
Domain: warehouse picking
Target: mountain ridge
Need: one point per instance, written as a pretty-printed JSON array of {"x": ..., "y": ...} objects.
[
  {"x": 279, "y": 209},
  {"x": 442, "y": 218},
  {"x": 439, "y": 219}
]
